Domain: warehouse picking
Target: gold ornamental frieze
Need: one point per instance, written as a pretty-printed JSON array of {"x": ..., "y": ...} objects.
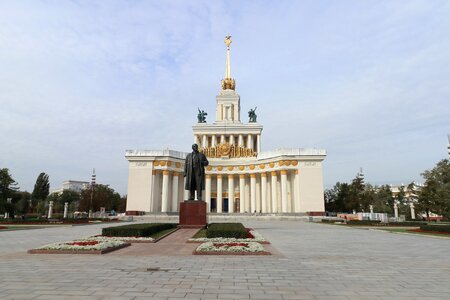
[{"x": 227, "y": 150}]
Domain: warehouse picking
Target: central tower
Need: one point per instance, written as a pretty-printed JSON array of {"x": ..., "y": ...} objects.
[
  {"x": 227, "y": 137},
  {"x": 228, "y": 101}
]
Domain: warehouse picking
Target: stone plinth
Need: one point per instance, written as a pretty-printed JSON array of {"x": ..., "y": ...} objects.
[{"x": 192, "y": 214}]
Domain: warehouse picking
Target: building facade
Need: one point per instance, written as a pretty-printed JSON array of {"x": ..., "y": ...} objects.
[
  {"x": 240, "y": 177},
  {"x": 73, "y": 185}
]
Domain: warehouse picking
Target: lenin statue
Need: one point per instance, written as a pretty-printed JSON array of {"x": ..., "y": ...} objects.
[{"x": 194, "y": 171}]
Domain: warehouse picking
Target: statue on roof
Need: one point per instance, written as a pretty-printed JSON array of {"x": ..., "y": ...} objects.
[
  {"x": 252, "y": 115},
  {"x": 201, "y": 116}
]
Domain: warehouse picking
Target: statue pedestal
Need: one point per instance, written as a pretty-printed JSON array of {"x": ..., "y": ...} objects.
[{"x": 192, "y": 214}]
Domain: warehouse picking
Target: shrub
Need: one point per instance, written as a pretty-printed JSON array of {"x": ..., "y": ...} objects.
[
  {"x": 408, "y": 223},
  {"x": 438, "y": 228},
  {"x": 363, "y": 222},
  {"x": 332, "y": 221},
  {"x": 226, "y": 230},
  {"x": 140, "y": 230}
]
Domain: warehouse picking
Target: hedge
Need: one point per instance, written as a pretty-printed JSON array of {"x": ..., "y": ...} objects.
[
  {"x": 363, "y": 222},
  {"x": 333, "y": 221},
  {"x": 438, "y": 228},
  {"x": 141, "y": 230},
  {"x": 226, "y": 230},
  {"x": 407, "y": 223}
]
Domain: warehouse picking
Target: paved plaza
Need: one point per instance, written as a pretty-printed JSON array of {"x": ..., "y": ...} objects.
[{"x": 313, "y": 261}]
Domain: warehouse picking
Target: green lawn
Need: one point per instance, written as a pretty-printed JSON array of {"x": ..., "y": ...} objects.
[
  {"x": 160, "y": 234},
  {"x": 200, "y": 234},
  {"x": 22, "y": 227},
  {"x": 407, "y": 231}
]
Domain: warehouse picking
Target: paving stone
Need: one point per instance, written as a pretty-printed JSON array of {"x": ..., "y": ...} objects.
[{"x": 314, "y": 261}]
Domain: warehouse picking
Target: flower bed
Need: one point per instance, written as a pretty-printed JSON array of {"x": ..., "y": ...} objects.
[
  {"x": 231, "y": 248},
  {"x": 252, "y": 236},
  {"x": 86, "y": 246},
  {"x": 3, "y": 227},
  {"x": 127, "y": 239}
]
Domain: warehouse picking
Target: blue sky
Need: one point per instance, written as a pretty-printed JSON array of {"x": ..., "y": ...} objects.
[{"x": 82, "y": 81}]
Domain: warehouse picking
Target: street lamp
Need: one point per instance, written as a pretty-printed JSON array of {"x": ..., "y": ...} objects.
[{"x": 91, "y": 207}]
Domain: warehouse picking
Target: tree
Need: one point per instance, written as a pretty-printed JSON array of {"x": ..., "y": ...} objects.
[
  {"x": 355, "y": 200},
  {"x": 8, "y": 186},
  {"x": 435, "y": 195},
  {"x": 41, "y": 188},
  {"x": 23, "y": 202},
  {"x": 336, "y": 198},
  {"x": 104, "y": 196},
  {"x": 122, "y": 207},
  {"x": 383, "y": 201}
]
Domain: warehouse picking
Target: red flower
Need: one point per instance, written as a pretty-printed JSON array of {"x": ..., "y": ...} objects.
[
  {"x": 249, "y": 235},
  {"x": 218, "y": 245},
  {"x": 87, "y": 243}
]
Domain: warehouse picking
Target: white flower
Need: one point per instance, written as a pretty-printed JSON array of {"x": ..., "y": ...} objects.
[
  {"x": 118, "y": 238},
  {"x": 257, "y": 238},
  {"x": 223, "y": 247},
  {"x": 70, "y": 246}
]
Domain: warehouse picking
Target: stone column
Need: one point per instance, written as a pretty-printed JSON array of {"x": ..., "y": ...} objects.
[
  {"x": 50, "y": 210},
  {"x": 208, "y": 192},
  {"x": 66, "y": 209},
  {"x": 195, "y": 139},
  {"x": 231, "y": 139},
  {"x": 204, "y": 141},
  {"x": 371, "y": 208},
  {"x": 296, "y": 192},
  {"x": 284, "y": 198},
  {"x": 213, "y": 141},
  {"x": 241, "y": 193},
  {"x": 175, "y": 191},
  {"x": 413, "y": 213},
  {"x": 165, "y": 192},
  {"x": 219, "y": 193},
  {"x": 230, "y": 193},
  {"x": 222, "y": 139},
  {"x": 396, "y": 210},
  {"x": 240, "y": 140},
  {"x": 249, "y": 141},
  {"x": 252, "y": 193},
  {"x": 258, "y": 143},
  {"x": 274, "y": 191},
  {"x": 264, "y": 192}
]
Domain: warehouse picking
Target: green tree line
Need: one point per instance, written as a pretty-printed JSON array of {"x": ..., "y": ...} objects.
[
  {"x": 16, "y": 202},
  {"x": 433, "y": 197}
]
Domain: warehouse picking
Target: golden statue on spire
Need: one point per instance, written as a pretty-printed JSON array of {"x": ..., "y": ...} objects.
[
  {"x": 228, "y": 83},
  {"x": 228, "y": 41}
]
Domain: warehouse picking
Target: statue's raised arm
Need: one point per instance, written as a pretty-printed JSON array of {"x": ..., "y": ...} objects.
[
  {"x": 252, "y": 115},
  {"x": 201, "y": 116}
]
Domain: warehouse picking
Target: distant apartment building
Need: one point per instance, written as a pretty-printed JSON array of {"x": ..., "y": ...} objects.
[
  {"x": 410, "y": 193},
  {"x": 73, "y": 185}
]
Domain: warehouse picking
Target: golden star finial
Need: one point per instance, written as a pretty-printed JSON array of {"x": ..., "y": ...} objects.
[{"x": 228, "y": 41}]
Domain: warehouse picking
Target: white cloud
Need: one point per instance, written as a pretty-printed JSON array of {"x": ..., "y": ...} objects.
[{"x": 83, "y": 81}]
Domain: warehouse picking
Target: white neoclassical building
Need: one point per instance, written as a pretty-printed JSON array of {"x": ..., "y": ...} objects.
[{"x": 240, "y": 177}]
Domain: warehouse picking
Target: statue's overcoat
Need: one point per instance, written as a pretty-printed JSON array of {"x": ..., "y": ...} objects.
[{"x": 199, "y": 176}]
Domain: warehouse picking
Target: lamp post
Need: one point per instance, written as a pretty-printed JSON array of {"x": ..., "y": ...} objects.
[{"x": 91, "y": 207}]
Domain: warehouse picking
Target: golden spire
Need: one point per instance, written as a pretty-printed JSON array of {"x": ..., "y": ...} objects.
[
  {"x": 228, "y": 42},
  {"x": 228, "y": 83}
]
